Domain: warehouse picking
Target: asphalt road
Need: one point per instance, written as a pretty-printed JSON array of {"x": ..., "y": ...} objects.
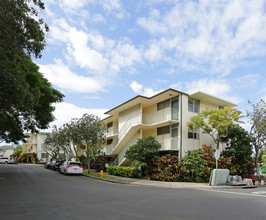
[{"x": 31, "y": 192}]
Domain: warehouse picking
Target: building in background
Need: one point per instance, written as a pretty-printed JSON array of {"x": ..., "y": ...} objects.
[
  {"x": 163, "y": 116},
  {"x": 35, "y": 144}
]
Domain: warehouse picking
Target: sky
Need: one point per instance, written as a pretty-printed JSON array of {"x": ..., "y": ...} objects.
[{"x": 101, "y": 53}]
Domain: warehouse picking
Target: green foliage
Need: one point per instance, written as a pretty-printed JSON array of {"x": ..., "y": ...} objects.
[
  {"x": 23, "y": 157},
  {"x": 98, "y": 163},
  {"x": 146, "y": 149},
  {"x": 130, "y": 172},
  {"x": 214, "y": 122},
  {"x": 89, "y": 133},
  {"x": 26, "y": 97},
  {"x": 257, "y": 118},
  {"x": 19, "y": 148},
  {"x": 195, "y": 162},
  {"x": 196, "y": 166},
  {"x": 239, "y": 148},
  {"x": 167, "y": 168}
]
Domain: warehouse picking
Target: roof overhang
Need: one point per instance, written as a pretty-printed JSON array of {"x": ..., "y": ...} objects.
[
  {"x": 212, "y": 99},
  {"x": 145, "y": 101}
]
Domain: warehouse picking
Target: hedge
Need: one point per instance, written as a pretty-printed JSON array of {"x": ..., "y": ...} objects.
[{"x": 130, "y": 172}]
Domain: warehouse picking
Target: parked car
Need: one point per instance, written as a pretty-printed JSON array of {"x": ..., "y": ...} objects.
[
  {"x": 55, "y": 165},
  {"x": 47, "y": 165},
  {"x": 6, "y": 160},
  {"x": 71, "y": 167}
]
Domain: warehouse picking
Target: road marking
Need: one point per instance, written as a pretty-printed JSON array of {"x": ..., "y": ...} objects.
[
  {"x": 237, "y": 193},
  {"x": 259, "y": 192},
  {"x": 2, "y": 178}
]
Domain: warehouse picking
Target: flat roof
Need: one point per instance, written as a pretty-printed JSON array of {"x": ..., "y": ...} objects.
[
  {"x": 213, "y": 99},
  {"x": 166, "y": 94},
  {"x": 144, "y": 100}
]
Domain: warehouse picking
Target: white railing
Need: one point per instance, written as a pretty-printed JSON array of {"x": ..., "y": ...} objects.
[
  {"x": 110, "y": 147},
  {"x": 158, "y": 116},
  {"x": 121, "y": 156},
  {"x": 168, "y": 143},
  {"x": 129, "y": 123},
  {"x": 112, "y": 131}
]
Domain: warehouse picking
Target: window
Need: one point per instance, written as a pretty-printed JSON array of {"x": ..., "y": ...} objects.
[
  {"x": 193, "y": 134},
  {"x": 163, "y": 130},
  {"x": 174, "y": 130},
  {"x": 164, "y": 104},
  {"x": 193, "y": 105},
  {"x": 44, "y": 146},
  {"x": 44, "y": 155},
  {"x": 109, "y": 141},
  {"x": 110, "y": 124}
]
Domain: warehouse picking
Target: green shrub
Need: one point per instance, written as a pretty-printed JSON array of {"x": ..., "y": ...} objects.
[
  {"x": 130, "y": 172},
  {"x": 167, "y": 168}
]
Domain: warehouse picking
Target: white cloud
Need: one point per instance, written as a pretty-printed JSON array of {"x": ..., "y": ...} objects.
[
  {"x": 100, "y": 56},
  {"x": 154, "y": 53},
  {"x": 140, "y": 90},
  {"x": 125, "y": 54},
  {"x": 219, "y": 88},
  {"x": 61, "y": 76},
  {"x": 211, "y": 86},
  {"x": 205, "y": 35},
  {"x": 247, "y": 80},
  {"x": 64, "y": 112},
  {"x": 72, "y": 4},
  {"x": 136, "y": 87}
]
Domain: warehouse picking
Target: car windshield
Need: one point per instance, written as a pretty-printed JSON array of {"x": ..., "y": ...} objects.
[{"x": 75, "y": 164}]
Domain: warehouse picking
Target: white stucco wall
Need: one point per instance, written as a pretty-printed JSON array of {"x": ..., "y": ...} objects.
[
  {"x": 193, "y": 144},
  {"x": 129, "y": 118}
]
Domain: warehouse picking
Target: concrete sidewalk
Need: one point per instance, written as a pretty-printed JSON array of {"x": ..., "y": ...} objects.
[{"x": 153, "y": 183}]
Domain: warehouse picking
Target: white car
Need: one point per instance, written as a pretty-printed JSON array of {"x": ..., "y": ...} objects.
[
  {"x": 71, "y": 167},
  {"x": 6, "y": 160}
]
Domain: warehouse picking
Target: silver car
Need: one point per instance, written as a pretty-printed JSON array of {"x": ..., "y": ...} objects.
[{"x": 71, "y": 167}]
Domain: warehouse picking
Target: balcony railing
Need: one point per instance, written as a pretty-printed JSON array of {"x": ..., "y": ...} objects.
[
  {"x": 169, "y": 143},
  {"x": 112, "y": 131},
  {"x": 130, "y": 123},
  {"x": 110, "y": 147},
  {"x": 158, "y": 116}
]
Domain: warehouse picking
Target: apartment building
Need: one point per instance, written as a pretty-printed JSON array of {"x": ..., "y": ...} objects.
[
  {"x": 163, "y": 116},
  {"x": 35, "y": 144}
]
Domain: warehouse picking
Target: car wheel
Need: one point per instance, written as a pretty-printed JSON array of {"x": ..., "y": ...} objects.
[
  {"x": 65, "y": 172},
  {"x": 6, "y": 162}
]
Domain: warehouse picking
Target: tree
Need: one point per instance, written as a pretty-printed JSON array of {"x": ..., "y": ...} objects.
[
  {"x": 53, "y": 148},
  {"x": 239, "y": 148},
  {"x": 26, "y": 97},
  {"x": 91, "y": 135},
  {"x": 194, "y": 162},
  {"x": 143, "y": 152},
  {"x": 257, "y": 119},
  {"x": 58, "y": 142},
  {"x": 214, "y": 122}
]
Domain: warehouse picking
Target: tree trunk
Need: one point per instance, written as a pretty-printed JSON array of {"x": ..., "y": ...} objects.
[
  {"x": 217, "y": 145},
  {"x": 257, "y": 160},
  {"x": 88, "y": 162}
]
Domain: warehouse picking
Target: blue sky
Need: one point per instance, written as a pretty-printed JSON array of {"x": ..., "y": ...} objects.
[{"x": 101, "y": 53}]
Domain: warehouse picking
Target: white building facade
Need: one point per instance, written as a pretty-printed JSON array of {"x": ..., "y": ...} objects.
[{"x": 163, "y": 116}]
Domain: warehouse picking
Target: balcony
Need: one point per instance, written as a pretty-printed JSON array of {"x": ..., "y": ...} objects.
[
  {"x": 112, "y": 131},
  {"x": 110, "y": 147},
  {"x": 163, "y": 115},
  {"x": 168, "y": 143}
]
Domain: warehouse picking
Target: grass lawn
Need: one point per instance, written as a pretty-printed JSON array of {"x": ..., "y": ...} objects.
[{"x": 98, "y": 176}]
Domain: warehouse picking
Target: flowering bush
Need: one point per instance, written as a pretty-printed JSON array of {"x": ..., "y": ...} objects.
[
  {"x": 23, "y": 157},
  {"x": 196, "y": 166},
  {"x": 167, "y": 168}
]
